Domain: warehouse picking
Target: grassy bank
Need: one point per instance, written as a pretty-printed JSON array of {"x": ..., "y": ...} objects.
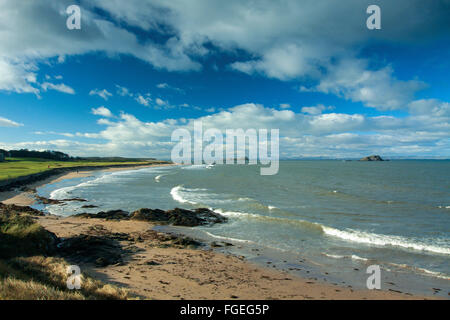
[
  {"x": 19, "y": 167},
  {"x": 28, "y": 267}
]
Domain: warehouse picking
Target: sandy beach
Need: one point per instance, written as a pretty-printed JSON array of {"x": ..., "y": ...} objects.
[
  {"x": 26, "y": 198},
  {"x": 154, "y": 270},
  {"x": 157, "y": 272}
]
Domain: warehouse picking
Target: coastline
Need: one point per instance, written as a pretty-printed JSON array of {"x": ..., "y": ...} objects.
[
  {"x": 23, "y": 195},
  {"x": 166, "y": 272},
  {"x": 157, "y": 270}
]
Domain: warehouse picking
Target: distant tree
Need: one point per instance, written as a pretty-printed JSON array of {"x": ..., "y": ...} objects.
[
  {"x": 49, "y": 154},
  {"x": 5, "y": 153}
]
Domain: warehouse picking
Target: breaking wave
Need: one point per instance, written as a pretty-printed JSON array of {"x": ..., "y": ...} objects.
[{"x": 384, "y": 240}]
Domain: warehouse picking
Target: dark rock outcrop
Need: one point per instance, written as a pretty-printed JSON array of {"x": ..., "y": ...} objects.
[
  {"x": 99, "y": 250},
  {"x": 179, "y": 217},
  {"x": 372, "y": 158},
  {"x": 44, "y": 200},
  {"x": 108, "y": 215},
  {"x": 12, "y": 208},
  {"x": 176, "y": 217}
]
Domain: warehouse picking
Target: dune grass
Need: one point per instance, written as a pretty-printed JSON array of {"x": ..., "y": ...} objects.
[
  {"x": 18, "y": 167},
  {"x": 44, "y": 278},
  {"x": 28, "y": 271}
]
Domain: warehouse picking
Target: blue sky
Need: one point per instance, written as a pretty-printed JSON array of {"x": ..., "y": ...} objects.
[{"x": 138, "y": 70}]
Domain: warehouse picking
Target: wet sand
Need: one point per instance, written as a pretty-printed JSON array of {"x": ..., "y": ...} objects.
[{"x": 157, "y": 272}]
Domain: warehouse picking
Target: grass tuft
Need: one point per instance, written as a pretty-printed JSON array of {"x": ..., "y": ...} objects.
[{"x": 27, "y": 272}]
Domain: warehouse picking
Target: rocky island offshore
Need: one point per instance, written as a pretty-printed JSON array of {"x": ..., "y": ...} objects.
[{"x": 372, "y": 158}]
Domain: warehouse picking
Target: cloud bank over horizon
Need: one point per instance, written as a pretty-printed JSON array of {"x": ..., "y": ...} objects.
[{"x": 320, "y": 50}]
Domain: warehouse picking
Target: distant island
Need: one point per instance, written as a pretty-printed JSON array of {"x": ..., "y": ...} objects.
[{"x": 372, "y": 158}]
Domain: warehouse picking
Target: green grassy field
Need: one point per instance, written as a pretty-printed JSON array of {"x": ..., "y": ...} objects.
[{"x": 17, "y": 167}]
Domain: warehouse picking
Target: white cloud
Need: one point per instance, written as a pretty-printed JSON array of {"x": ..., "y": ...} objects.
[
  {"x": 143, "y": 100},
  {"x": 286, "y": 40},
  {"x": 301, "y": 134},
  {"x": 430, "y": 106},
  {"x": 57, "y": 87},
  {"x": 17, "y": 77},
  {"x": 102, "y": 111},
  {"x": 316, "y": 109},
  {"x": 104, "y": 94},
  {"x": 351, "y": 79},
  {"x": 9, "y": 123}
]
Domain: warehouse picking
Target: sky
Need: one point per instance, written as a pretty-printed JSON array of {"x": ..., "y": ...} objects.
[{"x": 137, "y": 70}]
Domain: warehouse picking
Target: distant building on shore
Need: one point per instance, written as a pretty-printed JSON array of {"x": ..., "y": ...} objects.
[{"x": 2, "y": 157}]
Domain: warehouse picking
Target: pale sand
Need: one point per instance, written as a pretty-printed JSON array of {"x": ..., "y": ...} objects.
[
  {"x": 199, "y": 274},
  {"x": 26, "y": 198}
]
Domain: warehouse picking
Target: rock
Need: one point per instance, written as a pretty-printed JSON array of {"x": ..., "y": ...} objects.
[
  {"x": 220, "y": 244},
  {"x": 372, "y": 158},
  {"x": 149, "y": 215},
  {"x": 89, "y": 206},
  {"x": 187, "y": 242},
  {"x": 44, "y": 200},
  {"x": 99, "y": 250},
  {"x": 214, "y": 244},
  {"x": 12, "y": 208},
  {"x": 108, "y": 215},
  {"x": 179, "y": 217},
  {"x": 176, "y": 217}
]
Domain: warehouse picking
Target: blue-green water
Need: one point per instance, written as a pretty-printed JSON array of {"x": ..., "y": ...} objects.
[{"x": 339, "y": 216}]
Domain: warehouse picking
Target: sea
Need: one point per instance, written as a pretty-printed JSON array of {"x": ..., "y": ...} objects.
[{"x": 327, "y": 220}]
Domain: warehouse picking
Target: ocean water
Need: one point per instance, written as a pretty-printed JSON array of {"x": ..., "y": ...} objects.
[{"x": 327, "y": 219}]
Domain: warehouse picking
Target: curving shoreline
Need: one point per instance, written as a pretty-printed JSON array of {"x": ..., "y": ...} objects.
[
  {"x": 153, "y": 267},
  {"x": 20, "y": 192}
]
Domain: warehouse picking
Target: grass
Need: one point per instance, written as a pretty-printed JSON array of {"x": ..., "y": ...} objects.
[
  {"x": 45, "y": 278},
  {"x": 27, "y": 272},
  {"x": 18, "y": 167},
  {"x": 20, "y": 235}
]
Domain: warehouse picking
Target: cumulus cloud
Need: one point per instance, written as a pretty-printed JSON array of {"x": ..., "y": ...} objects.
[
  {"x": 301, "y": 134},
  {"x": 303, "y": 44},
  {"x": 17, "y": 77},
  {"x": 102, "y": 111},
  {"x": 352, "y": 80}
]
